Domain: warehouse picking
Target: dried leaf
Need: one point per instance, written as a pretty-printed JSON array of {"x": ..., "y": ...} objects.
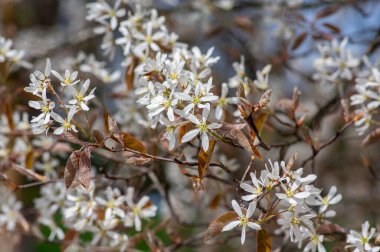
[
  {"x": 72, "y": 167},
  {"x": 332, "y": 27},
  {"x": 98, "y": 137},
  {"x": 217, "y": 225},
  {"x": 70, "y": 137},
  {"x": 138, "y": 160},
  {"x": 265, "y": 99},
  {"x": 85, "y": 167},
  {"x": 263, "y": 241},
  {"x": 372, "y": 138},
  {"x": 299, "y": 40},
  {"x": 204, "y": 159},
  {"x": 112, "y": 125}
]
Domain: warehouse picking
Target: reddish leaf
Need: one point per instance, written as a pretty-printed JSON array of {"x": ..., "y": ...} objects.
[
  {"x": 299, "y": 40},
  {"x": 327, "y": 12},
  {"x": 85, "y": 167},
  {"x": 217, "y": 225},
  {"x": 332, "y": 27},
  {"x": 263, "y": 241},
  {"x": 204, "y": 159},
  {"x": 72, "y": 167}
]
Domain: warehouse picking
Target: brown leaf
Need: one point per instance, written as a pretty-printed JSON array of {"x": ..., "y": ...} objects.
[
  {"x": 260, "y": 121},
  {"x": 215, "y": 202},
  {"x": 372, "y": 138},
  {"x": 232, "y": 134},
  {"x": 299, "y": 40},
  {"x": 29, "y": 159},
  {"x": 217, "y": 225},
  {"x": 138, "y": 160},
  {"x": 72, "y": 167},
  {"x": 132, "y": 143},
  {"x": 9, "y": 114},
  {"x": 328, "y": 11},
  {"x": 98, "y": 137},
  {"x": 263, "y": 241},
  {"x": 332, "y": 27},
  {"x": 85, "y": 167},
  {"x": 204, "y": 159},
  {"x": 130, "y": 74}
]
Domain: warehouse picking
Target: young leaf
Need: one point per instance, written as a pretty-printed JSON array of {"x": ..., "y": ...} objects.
[
  {"x": 204, "y": 159},
  {"x": 217, "y": 225},
  {"x": 72, "y": 167},
  {"x": 85, "y": 167},
  {"x": 263, "y": 241}
]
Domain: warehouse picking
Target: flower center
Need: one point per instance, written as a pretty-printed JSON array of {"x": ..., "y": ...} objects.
[
  {"x": 243, "y": 221},
  {"x": 289, "y": 193},
  {"x": 66, "y": 125},
  {"x": 325, "y": 201},
  {"x": 203, "y": 127},
  {"x": 196, "y": 100},
  {"x": 295, "y": 221},
  {"x": 45, "y": 109},
  {"x": 79, "y": 97}
]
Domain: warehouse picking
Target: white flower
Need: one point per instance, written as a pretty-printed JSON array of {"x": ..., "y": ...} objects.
[
  {"x": 199, "y": 98},
  {"x": 292, "y": 221},
  {"x": 169, "y": 134},
  {"x": 331, "y": 199},
  {"x": 140, "y": 210},
  {"x": 315, "y": 241},
  {"x": 292, "y": 194},
  {"x": 255, "y": 191},
  {"x": 262, "y": 78},
  {"x": 223, "y": 101},
  {"x": 66, "y": 124},
  {"x": 45, "y": 106},
  {"x": 242, "y": 219},
  {"x": 39, "y": 80},
  {"x": 204, "y": 60},
  {"x": 113, "y": 203},
  {"x": 68, "y": 80},
  {"x": 10, "y": 212},
  {"x": 148, "y": 40},
  {"x": 101, "y": 11},
  {"x": 6, "y": 50},
  {"x": 361, "y": 241},
  {"x": 202, "y": 128},
  {"x": 80, "y": 99}
]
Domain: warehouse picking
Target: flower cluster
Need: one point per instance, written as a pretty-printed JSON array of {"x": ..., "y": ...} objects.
[
  {"x": 295, "y": 201},
  {"x": 11, "y": 55},
  {"x": 41, "y": 85},
  {"x": 105, "y": 214},
  {"x": 336, "y": 62},
  {"x": 366, "y": 100}
]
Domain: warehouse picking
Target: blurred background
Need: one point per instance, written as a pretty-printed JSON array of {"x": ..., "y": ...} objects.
[{"x": 281, "y": 33}]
